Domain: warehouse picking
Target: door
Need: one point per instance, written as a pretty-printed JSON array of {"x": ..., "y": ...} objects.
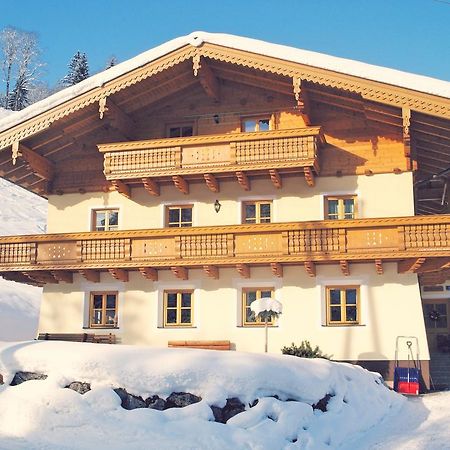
[{"x": 436, "y": 319}]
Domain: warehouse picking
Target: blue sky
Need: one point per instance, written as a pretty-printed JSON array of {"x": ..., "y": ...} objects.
[{"x": 410, "y": 35}]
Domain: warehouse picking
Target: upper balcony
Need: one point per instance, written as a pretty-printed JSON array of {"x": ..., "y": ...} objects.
[
  {"x": 417, "y": 244},
  {"x": 211, "y": 158}
]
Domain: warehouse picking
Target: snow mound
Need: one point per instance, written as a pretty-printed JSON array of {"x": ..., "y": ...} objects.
[
  {"x": 21, "y": 212},
  {"x": 42, "y": 414}
]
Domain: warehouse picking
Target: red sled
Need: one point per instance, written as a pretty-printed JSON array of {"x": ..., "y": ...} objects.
[{"x": 408, "y": 388}]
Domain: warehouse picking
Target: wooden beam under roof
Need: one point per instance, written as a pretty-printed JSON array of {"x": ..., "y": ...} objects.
[
  {"x": 309, "y": 176},
  {"x": 302, "y": 99},
  {"x": 243, "y": 180},
  {"x": 90, "y": 275},
  {"x": 276, "y": 178},
  {"x": 39, "y": 165},
  {"x": 62, "y": 275},
  {"x": 410, "y": 265},
  {"x": 181, "y": 184},
  {"x": 149, "y": 273},
  {"x": 180, "y": 272},
  {"x": 121, "y": 188},
  {"x": 119, "y": 274},
  {"x": 433, "y": 265},
  {"x": 243, "y": 270},
  {"x": 379, "y": 266},
  {"x": 277, "y": 269},
  {"x": 345, "y": 268},
  {"x": 310, "y": 268},
  {"x": 211, "y": 271},
  {"x": 211, "y": 182},
  {"x": 208, "y": 80},
  {"x": 116, "y": 117},
  {"x": 151, "y": 186}
]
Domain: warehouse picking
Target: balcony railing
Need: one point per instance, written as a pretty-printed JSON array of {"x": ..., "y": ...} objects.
[
  {"x": 386, "y": 239},
  {"x": 281, "y": 149}
]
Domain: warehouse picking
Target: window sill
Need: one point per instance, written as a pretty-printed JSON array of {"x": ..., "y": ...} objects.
[
  {"x": 343, "y": 325},
  {"x": 177, "y": 327},
  {"x": 101, "y": 328},
  {"x": 257, "y": 326}
]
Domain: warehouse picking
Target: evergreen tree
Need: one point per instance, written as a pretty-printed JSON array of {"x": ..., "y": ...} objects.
[
  {"x": 111, "y": 62},
  {"x": 19, "y": 97},
  {"x": 78, "y": 70}
]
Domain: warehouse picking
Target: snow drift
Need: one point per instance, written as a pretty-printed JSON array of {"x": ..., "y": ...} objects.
[{"x": 43, "y": 414}]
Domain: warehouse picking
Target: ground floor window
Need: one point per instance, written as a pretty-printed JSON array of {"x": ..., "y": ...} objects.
[
  {"x": 103, "y": 310},
  {"x": 178, "y": 308},
  {"x": 343, "y": 306},
  {"x": 249, "y": 295}
]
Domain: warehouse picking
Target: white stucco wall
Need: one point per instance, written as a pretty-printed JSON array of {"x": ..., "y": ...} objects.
[
  {"x": 390, "y": 306},
  {"x": 384, "y": 195}
]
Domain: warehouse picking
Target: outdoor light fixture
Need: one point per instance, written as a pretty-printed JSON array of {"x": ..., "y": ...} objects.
[
  {"x": 217, "y": 206},
  {"x": 216, "y": 118}
]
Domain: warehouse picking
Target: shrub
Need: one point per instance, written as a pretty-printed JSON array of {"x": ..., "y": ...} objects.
[{"x": 304, "y": 351}]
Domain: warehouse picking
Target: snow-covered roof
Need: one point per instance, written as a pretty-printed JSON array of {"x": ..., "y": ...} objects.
[{"x": 340, "y": 65}]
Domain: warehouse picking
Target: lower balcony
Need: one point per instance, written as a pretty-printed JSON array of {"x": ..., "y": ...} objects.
[{"x": 418, "y": 244}]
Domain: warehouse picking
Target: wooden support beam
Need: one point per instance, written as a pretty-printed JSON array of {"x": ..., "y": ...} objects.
[
  {"x": 39, "y": 165},
  {"x": 62, "y": 275},
  {"x": 406, "y": 124},
  {"x": 243, "y": 270},
  {"x": 211, "y": 182},
  {"x": 276, "y": 178},
  {"x": 181, "y": 184},
  {"x": 410, "y": 265},
  {"x": 434, "y": 264},
  {"x": 149, "y": 273},
  {"x": 116, "y": 117},
  {"x": 91, "y": 275},
  {"x": 151, "y": 186},
  {"x": 379, "y": 266},
  {"x": 309, "y": 176},
  {"x": 277, "y": 269},
  {"x": 302, "y": 99},
  {"x": 243, "y": 180},
  {"x": 180, "y": 272},
  {"x": 121, "y": 188},
  {"x": 208, "y": 80},
  {"x": 345, "y": 267},
  {"x": 211, "y": 271},
  {"x": 310, "y": 268},
  {"x": 41, "y": 277},
  {"x": 119, "y": 274}
]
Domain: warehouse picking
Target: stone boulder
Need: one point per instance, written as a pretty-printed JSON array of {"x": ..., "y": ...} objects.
[
  {"x": 21, "y": 377},
  {"x": 233, "y": 407},
  {"x": 130, "y": 401},
  {"x": 79, "y": 386},
  {"x": 181, "y": 399},
  {"x": 155, "y": 402},
  {"x": 323, "y": 403}
]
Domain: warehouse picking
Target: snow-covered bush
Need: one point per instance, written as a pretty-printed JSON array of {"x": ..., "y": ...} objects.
[{"x": 304, "y": 351}]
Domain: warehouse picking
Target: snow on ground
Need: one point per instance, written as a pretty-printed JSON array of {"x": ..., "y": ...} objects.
[
  {"x": 43, "y": 415},
  {"x": 21, "y": 212}
]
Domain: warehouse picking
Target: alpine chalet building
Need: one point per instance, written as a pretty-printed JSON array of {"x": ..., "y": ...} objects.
[{"x": 214, "y": 170}]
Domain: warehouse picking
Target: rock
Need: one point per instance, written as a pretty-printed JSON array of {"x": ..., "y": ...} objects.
[
  {"x": 130, "y": 401},
  {"x": 233, "y": 407},
  {"x": 79, "y": 386},
  {"x": 155, "y": 402},
  {"x": 181, "y": 399},
  {"x": 323, "y": 403},
  {"x": 21, "y": 377}
]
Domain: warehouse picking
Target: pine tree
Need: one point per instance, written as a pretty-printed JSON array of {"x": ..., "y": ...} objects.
[
  {"x": 19, "y": 97},
  {"x": 111, "y": 62},
  {"x": 78, "y": 70}
]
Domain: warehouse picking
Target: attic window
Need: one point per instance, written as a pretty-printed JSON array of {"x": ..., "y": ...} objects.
[
  {"x": 180, "y": 131},
  {"x": 252, "y": 124}
]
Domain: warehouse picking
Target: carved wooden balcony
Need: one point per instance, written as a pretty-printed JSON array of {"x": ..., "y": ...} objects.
[
  {"x": 418, "y": 244},
  {"x": 213, "y": 157}
]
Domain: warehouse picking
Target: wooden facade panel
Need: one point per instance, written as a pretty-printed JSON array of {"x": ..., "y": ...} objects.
[
  {"x": 57, "y": 253},
  {"x": 207, "y": 156},
  {"x": 156, "y": 248},
  {"x": 258, "y": 244},
  {"x": 369, "y": 239}
]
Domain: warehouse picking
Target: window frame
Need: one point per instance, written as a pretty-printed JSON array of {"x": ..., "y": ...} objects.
[
  {"x": 341, "y": 211},
  {"x": 257, "y": 119},
  {"x": 343, "y": 305},
  {"x": 244, "y": 306},
  {"x": 94, "y": 212},
  {"x": 178, "y": 308},
  {"x": 167, "y": 208},
  {"x": 180, "y": 125},
  {"x": 257, "y": 204},
  {"x": 104, "y": 295}
]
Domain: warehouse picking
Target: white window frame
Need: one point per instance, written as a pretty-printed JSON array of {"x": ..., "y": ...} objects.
[{"x": 103, "y": 207}]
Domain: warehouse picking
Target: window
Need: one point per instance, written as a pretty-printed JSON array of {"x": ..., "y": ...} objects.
[
  {"x": 175, "y": 131},
  {"x": 341, "y": 207},
  {"x": 435, "y": 315},
  {"x": 249, "y": 295},
  {"x": 343, "y": 305},
  {"x": 178, "y": 308},
  {"x": 105, "y": 219},
  {"x": 252, "y": 124},
  {"x": 179, "y": 216},
  {"x": 257, "y": 212},
  {"x": 103, "y": 310}
]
